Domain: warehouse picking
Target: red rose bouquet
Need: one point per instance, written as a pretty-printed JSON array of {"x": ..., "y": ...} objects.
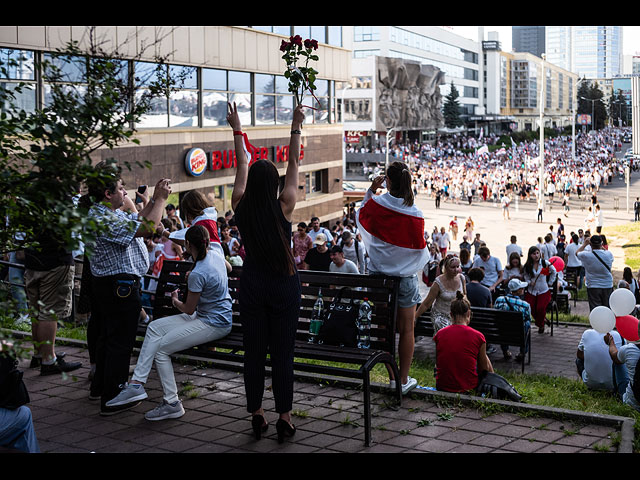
[{"x": 301, "y": 78}]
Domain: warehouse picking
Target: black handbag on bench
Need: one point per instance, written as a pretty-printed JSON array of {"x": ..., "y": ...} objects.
[{"x": 339, "y": 327}]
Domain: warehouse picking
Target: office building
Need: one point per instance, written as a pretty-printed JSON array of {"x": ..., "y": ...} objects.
[
  {"x": 589, "y": 51},
  {"x": 528, "y": 39}
]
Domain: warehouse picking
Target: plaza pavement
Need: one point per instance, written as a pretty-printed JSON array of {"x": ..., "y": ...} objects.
[{"x": 329, "y": 416}]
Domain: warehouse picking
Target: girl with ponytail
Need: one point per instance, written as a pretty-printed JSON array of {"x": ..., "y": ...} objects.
[
  {"x": 204, "y": 316},
  {"x": 392, "y": 229}
]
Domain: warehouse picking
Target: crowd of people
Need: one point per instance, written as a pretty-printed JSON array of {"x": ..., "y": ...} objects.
[
  {"x": 459, "y": 269},
  {"x": 458, "y": 169}
]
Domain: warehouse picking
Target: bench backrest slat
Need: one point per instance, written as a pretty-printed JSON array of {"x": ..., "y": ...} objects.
[{"x": 381, "y": 290}]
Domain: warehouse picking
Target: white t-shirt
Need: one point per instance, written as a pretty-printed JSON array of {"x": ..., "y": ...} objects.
[
  {"x": 572, "y": 259},
  {"x": 443, "y": 241},
  {"x": 597, "y": 373},
  {"x": 512, "y": 247},
  {"x": 347, "y": 267}
]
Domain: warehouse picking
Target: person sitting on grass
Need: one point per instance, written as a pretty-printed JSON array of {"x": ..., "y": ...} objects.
[{"x": 461, "y": 351}]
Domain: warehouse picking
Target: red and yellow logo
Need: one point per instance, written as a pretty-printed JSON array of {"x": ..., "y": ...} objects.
[{"x": 195, "y": 162}]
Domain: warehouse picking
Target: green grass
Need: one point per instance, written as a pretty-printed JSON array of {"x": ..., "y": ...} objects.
[{"x": 628, "y": 235}]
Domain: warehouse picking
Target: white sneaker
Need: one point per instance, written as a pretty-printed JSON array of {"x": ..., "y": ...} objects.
[
  {"x": 131, "y": 392},
  {"x": 410, "y": 385}
]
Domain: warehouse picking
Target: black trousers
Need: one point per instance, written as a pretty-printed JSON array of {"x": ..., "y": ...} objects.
[
  {"x": 116, "y": 316},
  {"x": 269, "y": 311}
]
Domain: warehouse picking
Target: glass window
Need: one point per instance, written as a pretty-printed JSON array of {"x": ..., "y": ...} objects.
[
  {"x": 65, "y": 68},
  {"x": 304, "y": 32},
  {"x": 265, "y": 109},
  {"x": 243, "y": 102},
  {"x": 213, "y": 79},
  {"x": 188, "y": 76},
  {"x": 157, "y": 115},
  {"x": 214, "y": 107},
  {"x": 282, "y": 30},
  {"x": 18, "y": 68},
  {"x": 183, "y": 109},
  {"x": 239, "y": 81},
  {"x": 335, "y": 36},
  {"x": 23, "y": 100},
  {"x": 284, "y": 109},
  {"x": 19, "y": 64},
  {"x": 319, "y": 34},
  {"x": 265, "y": 83}
]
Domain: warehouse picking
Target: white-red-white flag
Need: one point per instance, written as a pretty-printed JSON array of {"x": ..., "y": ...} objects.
[{"x": 393, "y": 235}]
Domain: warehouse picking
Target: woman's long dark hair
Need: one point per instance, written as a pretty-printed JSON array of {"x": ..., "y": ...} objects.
[
  {"x": 400, "y": 187},
  {"x": 259, "y": 215},
  {"x": 528, "y": 266}
]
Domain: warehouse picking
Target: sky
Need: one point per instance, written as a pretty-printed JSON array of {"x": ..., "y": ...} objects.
[{"x": 630, "y": 36}]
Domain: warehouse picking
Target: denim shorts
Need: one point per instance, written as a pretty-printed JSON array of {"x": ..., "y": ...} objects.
[{"x": 408, "y": 291}]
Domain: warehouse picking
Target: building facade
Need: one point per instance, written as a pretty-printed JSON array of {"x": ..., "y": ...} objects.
[
  {"x": 457, "y": 57},
  {"x": 529, "y": 39},
  {"x": 589, "y": 51},
  {"x": 185, "y": 136},
  {"x": 515, "y": 83}
]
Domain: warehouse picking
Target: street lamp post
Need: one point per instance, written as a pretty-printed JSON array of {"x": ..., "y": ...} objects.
[
  {"x": 386, "y": 161},
  {"x": 344, "y": 139},
  {"x": 541, "y": 166},
  {"x": 573, "y": 123}
]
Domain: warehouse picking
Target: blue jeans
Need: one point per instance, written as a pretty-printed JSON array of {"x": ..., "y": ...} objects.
[{"x": 16, "y": 430}]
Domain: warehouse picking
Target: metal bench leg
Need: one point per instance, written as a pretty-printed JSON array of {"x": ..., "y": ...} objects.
[{"x": 367, "y": 409}]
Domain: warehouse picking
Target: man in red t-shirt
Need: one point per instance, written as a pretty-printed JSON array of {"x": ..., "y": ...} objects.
[{"x": 461, "y": 353}]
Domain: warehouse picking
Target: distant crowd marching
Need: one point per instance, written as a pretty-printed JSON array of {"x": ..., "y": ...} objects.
[{"x": 448, "y": 171}]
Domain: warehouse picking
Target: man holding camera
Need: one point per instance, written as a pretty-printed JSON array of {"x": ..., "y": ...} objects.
[
  {"x": 597, "y": 265},
  {"x": 118, "y": 262}
]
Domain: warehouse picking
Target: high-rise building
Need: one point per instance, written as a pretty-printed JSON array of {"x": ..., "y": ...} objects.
[
  {"x": 589, "y": 51},
  {"x": 529, "y": 39}
]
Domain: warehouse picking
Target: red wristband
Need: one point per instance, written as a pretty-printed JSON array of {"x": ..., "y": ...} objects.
[{"x": 237, "y": 132}]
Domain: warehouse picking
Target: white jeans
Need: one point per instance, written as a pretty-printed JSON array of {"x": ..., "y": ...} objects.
[{"x": 169, "y": 335}]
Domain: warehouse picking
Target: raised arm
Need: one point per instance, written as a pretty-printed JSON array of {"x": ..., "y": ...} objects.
[
  {"x": 289, "y": 194},
  {"x": 242, "y": 170}
]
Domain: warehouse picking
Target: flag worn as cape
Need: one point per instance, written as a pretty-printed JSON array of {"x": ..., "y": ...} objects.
[{"x": 393, "y": 235}]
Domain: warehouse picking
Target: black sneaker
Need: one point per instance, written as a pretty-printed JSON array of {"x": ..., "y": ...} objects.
[
  {"x": 36, "y": 362},
  {"x": 59, "y": 366},
  {"x": 106, "y": 411}
]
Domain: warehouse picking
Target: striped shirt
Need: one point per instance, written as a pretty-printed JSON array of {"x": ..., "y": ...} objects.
[
  {"x": 117, "y": 250},
  {"x": 515, "y": 304}
]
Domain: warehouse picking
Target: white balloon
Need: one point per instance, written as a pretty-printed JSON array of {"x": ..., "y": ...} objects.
[
  {"x": 622, "y": 302},
  {"x": 602, "y": 319}
]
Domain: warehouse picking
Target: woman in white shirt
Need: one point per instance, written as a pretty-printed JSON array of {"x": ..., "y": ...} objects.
[{"x": 540, "y": 275}]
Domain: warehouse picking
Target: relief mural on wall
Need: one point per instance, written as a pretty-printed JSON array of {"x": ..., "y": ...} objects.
[{"x": 408, "y": 95}]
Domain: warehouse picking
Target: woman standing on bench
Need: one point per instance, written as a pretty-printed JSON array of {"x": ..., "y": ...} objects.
[
  {"x": 270, "y": 290},
  {"x": 206, "y": 316},
  {"x": 392, "y": 229}
]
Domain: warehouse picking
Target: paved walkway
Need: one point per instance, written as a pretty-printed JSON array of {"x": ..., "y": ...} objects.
[{"x": 329, "y": 418}]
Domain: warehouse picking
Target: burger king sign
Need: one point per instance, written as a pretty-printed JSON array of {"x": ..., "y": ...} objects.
[{"x": 195, "y": 162}]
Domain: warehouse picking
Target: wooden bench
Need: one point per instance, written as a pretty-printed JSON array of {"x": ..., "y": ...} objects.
[
  {"x": 499, "y": 327},
  {"x": 346, "y": 362}
]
